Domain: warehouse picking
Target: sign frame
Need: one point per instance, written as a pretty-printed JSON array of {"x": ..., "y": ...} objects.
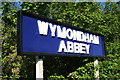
[{"x": 22, "y": 13}]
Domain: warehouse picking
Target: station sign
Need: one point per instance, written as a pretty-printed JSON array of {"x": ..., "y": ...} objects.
[{"x": 38, "y": 35}]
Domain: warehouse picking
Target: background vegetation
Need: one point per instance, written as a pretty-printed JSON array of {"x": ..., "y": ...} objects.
[{"x": 103, "y": 18}]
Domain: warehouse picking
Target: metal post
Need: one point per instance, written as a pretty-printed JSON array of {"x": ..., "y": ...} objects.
[
  {"x": 39, "y": 68},
  {"x": 96, "y": 69}
]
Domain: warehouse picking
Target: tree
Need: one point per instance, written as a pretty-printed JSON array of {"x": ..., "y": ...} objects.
[{"x": 86, "y": 15}]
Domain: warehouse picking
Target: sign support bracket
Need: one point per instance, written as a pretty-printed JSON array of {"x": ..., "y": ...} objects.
[
  {"x": 96, "y": 69},
  {"x": 39, "y": 68}
]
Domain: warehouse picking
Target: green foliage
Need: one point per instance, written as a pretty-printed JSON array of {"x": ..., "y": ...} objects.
[
  {"x": 111, "y": 67},
  {"x": 84, "y": 72},
  {"x": 103, "y": 19},
  {"x": 55, "y": 77},
  {"x": 12, "y": 64}
]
